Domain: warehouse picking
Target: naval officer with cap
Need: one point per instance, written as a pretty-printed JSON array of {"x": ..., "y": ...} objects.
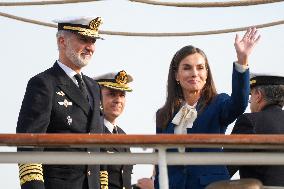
[
  {"x": 266, "y": 117},
  {"x": 114, "y": 87},
  {"x": 63, "y": 100}
]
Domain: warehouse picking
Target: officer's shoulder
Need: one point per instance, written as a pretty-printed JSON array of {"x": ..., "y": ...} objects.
[{"x": 44, "y": 76}]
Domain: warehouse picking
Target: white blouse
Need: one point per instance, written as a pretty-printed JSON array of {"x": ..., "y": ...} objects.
[{"x": 184, "y": 119}]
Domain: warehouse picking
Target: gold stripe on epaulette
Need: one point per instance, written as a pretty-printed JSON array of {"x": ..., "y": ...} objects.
[
  {"x": 30, "y": 172},
  {"x": 103, "y": 173},
  {"x": 29, "y": 164},
  {"x": 104, "y": 179},
  {"x": 104, "y": 187},
  {"x": 33, "y": 167},
  {"x": 104, "y": 182},
  {"x": 31, "y": 177}
]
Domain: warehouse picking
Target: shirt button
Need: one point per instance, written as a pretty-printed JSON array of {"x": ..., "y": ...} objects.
[{"x": 89, "y": 173}]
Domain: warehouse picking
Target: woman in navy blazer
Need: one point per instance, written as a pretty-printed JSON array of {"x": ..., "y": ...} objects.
[{"x": 193, "y": 106}]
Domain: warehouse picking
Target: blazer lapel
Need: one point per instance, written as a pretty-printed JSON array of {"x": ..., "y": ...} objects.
[
  {"x": 171, "y": 128},
  {"x": 120, "y": 131},
  {"x": 92, "y": 90},
  {"x": 96, "y": 124},
  {"x": 70, "y": 89},
  {"x": 110, "y": 149}
]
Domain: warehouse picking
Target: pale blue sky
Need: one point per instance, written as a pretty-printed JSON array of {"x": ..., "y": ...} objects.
[{"x": 28, "y": 49}]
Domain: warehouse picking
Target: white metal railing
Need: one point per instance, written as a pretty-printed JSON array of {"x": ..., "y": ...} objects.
[{"x": 158, "y": 142}]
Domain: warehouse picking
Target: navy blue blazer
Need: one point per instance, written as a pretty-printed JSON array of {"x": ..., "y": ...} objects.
[{"x": 215, "y": 118}]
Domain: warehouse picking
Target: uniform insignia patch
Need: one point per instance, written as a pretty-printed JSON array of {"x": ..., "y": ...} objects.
[
  {"x": 69, "y": 120},
  {"x": 65, "y": 103},
  {"x": 60, "y": 93}
]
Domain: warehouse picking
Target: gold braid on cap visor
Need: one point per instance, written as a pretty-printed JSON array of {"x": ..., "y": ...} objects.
[
  {"x": 92, "y": 30},
  {"x": 112, "y": 85}
]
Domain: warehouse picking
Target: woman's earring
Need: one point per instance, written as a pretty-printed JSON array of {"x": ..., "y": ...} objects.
[{"x": 178, "y": 82}]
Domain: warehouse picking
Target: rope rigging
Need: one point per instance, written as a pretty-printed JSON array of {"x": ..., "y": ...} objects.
[
  {"x": 208, "y": 4},
  {"x": 142, "y": 34},
  {"x": 152, "y": 2},
  {"x": 53, "y": 2}
]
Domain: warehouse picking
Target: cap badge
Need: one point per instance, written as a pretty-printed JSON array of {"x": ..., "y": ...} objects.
[
  {"x": 95, "y": 23},
  {"x": 121, "y": 77}
]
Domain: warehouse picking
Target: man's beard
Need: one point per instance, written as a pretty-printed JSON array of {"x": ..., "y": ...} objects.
[{"x": 75, "y": 58}]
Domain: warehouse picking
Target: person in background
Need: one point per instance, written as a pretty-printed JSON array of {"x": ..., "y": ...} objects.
[
  {"x": 193, "y": 106},
  {"x": 114, "y": 87},
  {"x": 266, "y": 117},
  {"x": 63, "y": 100}
]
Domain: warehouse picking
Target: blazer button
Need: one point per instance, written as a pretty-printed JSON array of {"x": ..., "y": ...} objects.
[{"x": 89, "y": 173}]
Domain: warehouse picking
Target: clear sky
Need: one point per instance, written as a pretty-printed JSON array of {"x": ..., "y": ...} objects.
[{"x": 28, "y": 49}]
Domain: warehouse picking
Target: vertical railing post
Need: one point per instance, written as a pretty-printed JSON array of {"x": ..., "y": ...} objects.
[{"x": 163, "y": 169}]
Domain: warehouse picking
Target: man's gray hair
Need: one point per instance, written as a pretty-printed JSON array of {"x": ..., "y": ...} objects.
[
  {"x": 61, "y": 33},
  {"x": 273, "y": 94}
]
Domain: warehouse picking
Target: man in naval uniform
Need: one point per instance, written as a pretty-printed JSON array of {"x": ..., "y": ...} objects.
[
  {"x": 114, "y": 87},
  {"x": 266, "y": 117},
  {"x": 63, "y": 100}
]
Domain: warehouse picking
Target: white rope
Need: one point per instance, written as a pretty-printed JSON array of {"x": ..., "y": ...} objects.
[
  {"x": 208, "y": 4},
  {"x": 27, "y": 20},
  {"x": 143, "y": 34},
  {"x": 175, "y": 4},
  {"x": 28, "y": 3}
]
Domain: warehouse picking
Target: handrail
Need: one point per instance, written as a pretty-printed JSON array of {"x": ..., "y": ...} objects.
[
  {"x": 166, "y": 140},
  {"x": 169, "y": 158},
  {"x": 160, "y": 142}
]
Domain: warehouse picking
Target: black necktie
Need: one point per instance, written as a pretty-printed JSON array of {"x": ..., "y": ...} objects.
[
  {"x": 82, "y": 86},
  {"x": 114, "y": 131}
]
